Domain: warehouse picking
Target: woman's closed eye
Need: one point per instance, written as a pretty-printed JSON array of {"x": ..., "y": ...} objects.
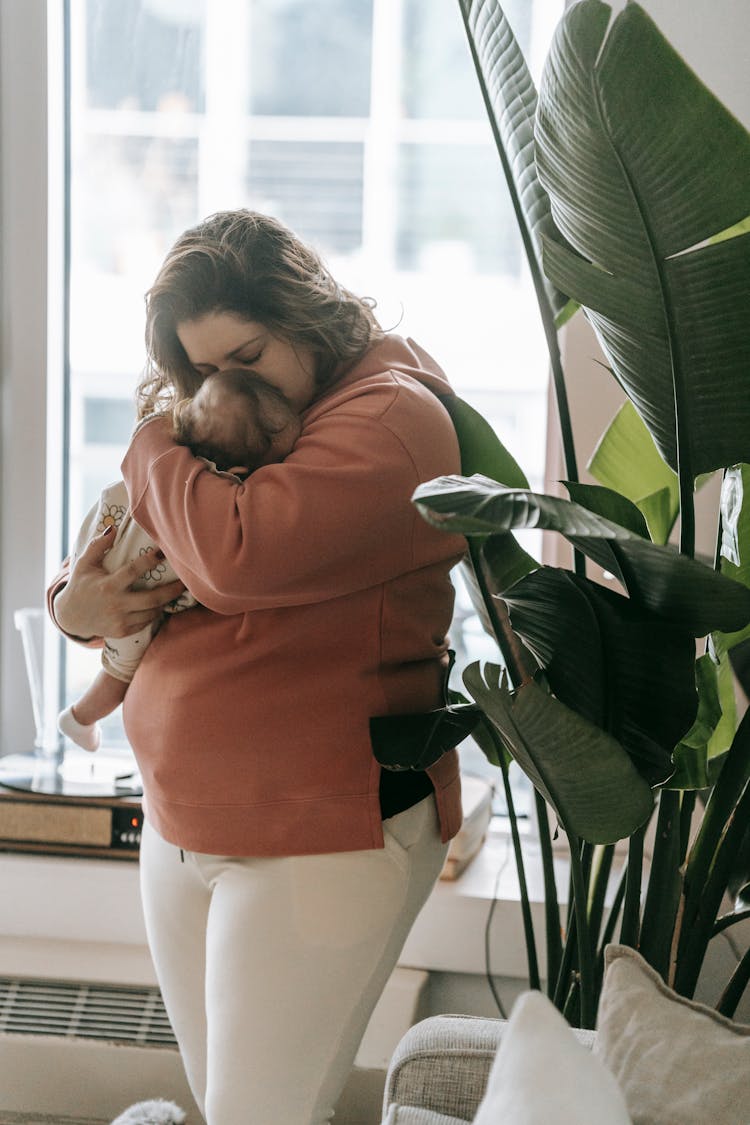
[{"x": 249, "y": 360}]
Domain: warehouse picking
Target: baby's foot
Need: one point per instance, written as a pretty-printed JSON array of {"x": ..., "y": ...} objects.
[{"x": 87, "y": 737}]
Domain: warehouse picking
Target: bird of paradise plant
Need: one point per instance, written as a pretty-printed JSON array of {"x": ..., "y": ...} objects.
[{"x": 631, "y": 186}]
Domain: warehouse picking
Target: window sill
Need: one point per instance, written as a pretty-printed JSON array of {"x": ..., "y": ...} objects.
[
  {"x": 72, "y": 914},
  {"x": 449, "y": 934}
]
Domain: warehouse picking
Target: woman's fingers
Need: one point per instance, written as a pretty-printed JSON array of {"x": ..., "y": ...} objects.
[
  {"x": 96, "y": 548},
  {"x": 133, "y": 622},
  {"x": 97, "y": 603},
  {"x": 155, "y": 598}
]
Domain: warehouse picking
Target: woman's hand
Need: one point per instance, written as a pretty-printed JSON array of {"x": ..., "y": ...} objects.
[{"x": 95, "y": 603}]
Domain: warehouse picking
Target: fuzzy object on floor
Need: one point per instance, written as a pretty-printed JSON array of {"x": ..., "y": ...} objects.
[{"x": 156, "y": 1112}]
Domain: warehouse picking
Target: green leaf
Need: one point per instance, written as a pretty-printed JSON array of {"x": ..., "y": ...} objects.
[
  {"x": 610, "y": 504},
  {"x": 566, "y": 314},
  {"x": 676, "y": 587},
  {"x": 611, "y": 660},
  {"x": 479, "y": 506},
  {"x": 627, "y": 460},
  {"x": 711, "y": 735},
  {"x": 506, "y": 560},
  {"x": 583, "y": 773},
  {"x": 660, "y": 514},
  {"x": 731, "y": 232},
  {"x": 490, "y": 743},
  {"x": 643, "y": 166},
  {"x": 481, "y": 449},
  {"x": 735, "y": 535},
  {"x": 483, "y": 452},
  {"x": 416, "y": 741},
  {"x": 510, "y": 99}
]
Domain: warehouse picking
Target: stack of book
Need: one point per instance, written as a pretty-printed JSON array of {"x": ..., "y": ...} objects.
[{"x": 476, "y": 796}]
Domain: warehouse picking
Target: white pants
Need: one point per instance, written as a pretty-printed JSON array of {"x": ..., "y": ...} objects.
[{"x": 270, "y": 968}]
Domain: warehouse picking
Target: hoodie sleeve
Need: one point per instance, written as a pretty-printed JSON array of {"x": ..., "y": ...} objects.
[{"x": 335, "y": 517}]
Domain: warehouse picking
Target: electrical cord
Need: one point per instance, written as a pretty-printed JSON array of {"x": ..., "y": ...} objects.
[{"x": 487, "y": 932}]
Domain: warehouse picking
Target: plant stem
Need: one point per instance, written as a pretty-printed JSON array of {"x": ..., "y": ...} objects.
[
  {"x": 727, "y": 920},
  {"x": 528, "y": 924},
  {"x": 664, "y": 885},
  {"x": 602, "y": 867},
  {"x": 614, "y": 913},
  {"x": 567, "y": 966},
  {"x": 630, "y": 930},
  {"x": 585, "y": 956},
  {"x": 572, "y": 1006},
  {"x": 712, "y": 892},
  {"x": 721, "y": 806},
  {"x": 687, "y": 807},
  {"x": 551, "y": 906},
  {"x": 609, "y": 928},
  {"x": 510, "y": 647},
  {"x": 738, "y": 982}
]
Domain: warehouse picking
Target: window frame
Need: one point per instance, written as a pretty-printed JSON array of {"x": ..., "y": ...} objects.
[
  {"x": 32, "y": 239},
  {"x": 34, "y": 187}
]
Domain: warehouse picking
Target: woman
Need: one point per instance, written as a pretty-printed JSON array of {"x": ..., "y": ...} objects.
[{"x": 281, "y": 871}]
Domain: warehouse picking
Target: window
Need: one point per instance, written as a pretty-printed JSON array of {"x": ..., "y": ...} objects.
[{"x": 359, "y": 123}]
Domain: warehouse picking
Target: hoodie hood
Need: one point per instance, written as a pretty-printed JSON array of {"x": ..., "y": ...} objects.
[{"x": 402, "y": 356}]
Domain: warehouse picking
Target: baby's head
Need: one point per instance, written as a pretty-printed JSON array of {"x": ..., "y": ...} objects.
[{"x": 237, "y": 420}]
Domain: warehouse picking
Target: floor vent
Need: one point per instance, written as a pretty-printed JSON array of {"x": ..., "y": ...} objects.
[{"x": 80, "y": 1010}]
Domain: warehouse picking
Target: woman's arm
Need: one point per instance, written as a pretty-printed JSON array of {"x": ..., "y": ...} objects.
[{"x": 333, "y": 518}]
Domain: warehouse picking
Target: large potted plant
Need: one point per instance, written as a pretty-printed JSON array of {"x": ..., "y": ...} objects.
[{"x": 630, "y": 183}]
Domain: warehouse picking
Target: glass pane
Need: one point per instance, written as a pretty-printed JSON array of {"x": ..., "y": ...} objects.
[
  {"x": 438, "y": 75},
  {"x": 144, "y": 55},
  {"x": 453, "y": 202},
  {"x": 315, "y": 188},
  {"x": 310, "y": 60},
  {"x": 130, "y": 194},
  {"x": 108, "y": 421}
]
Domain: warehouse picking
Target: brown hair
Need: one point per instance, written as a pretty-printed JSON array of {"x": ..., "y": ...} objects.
[
  {"x": 249, "y": 264},
  {"x": 255, "y": 412}
]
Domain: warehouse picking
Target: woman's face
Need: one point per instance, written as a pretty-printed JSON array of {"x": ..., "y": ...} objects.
[{"x": 221, "y": 340}]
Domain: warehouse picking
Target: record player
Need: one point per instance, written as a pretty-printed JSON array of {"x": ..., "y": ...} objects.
[{"x": 58, "y": 799}]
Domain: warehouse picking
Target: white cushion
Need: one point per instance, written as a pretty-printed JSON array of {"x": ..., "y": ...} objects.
[{"x": 542, "y": 1074}]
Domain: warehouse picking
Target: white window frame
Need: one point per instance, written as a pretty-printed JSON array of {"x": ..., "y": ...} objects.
[{"x": 31, "y": 336}]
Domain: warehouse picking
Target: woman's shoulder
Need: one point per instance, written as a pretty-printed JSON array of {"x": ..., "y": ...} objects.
[{"x": 393, "y": 372}]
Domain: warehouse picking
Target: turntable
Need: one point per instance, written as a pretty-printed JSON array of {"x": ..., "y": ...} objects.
[
  {"x": 66, "y": 806},
  {"x": 60, "y": 799}
]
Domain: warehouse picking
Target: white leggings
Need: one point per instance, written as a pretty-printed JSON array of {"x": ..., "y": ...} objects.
[{"x": 270, "y": 968}]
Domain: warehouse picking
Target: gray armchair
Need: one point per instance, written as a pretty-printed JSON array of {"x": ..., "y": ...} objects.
[{"x": 439, "y": 1070}]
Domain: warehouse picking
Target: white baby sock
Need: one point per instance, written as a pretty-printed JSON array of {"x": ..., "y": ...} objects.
[{"x": 87, "y": 737}]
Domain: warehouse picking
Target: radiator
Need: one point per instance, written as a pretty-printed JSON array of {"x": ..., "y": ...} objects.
[
  {"x": 85, "y": 1051},
  {"x": 79, "y": 1052}
]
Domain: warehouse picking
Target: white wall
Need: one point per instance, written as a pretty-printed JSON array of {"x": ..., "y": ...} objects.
[{"x": 712, "y": 36}]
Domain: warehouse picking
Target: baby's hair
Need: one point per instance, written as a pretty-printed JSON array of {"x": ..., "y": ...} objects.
[{"x": 258, "y": 400}]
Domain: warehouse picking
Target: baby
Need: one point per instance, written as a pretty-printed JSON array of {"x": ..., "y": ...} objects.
[{"x": 237, "y": 423}]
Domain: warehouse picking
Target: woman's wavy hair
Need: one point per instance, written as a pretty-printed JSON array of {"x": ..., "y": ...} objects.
[{"x": 249, "y": 264}]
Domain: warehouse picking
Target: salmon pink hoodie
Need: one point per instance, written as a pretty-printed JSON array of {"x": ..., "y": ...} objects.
[{"x": 325, "y": 600}]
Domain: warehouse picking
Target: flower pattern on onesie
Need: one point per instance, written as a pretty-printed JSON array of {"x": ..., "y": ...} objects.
[
  {"x": 157, "y": 570},
  {"x": 111, "y": 515}
]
